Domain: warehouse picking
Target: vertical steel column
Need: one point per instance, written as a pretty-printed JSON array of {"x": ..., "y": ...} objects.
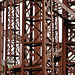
[
  {"x": 47, "y": 32},
  {"x": 37, "y": 33},
  {"x": 31, "y": 36},
  {"x": 13, "y": 39},
  {"x": 64, "y": 33},
  {"x": 43, "y": 40},
  {"x": 52, "y": 39},
  {"x": 68, "y": 44},
  {"x": 64, "y": 50},
  {"x": 5, "y": 67},
  {"x": 30, "y": 43},
  {"x": 64, "y": 45},
  {"x": 3, "y": 31},
  {"x": 56, "y": 46},
  {"x": 0, "y": 37},
  {"x": 22, "y": 65}
]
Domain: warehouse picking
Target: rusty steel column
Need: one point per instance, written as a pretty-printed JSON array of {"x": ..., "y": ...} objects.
[
  {"x": 64, "y": 50},
  {"x": 0, "y": 38},
  {"x": 39, "y": 22},
  {"x": 5, "y": 67},
  {"x": 64, "y": 33},
  {"x": 30, "y": 44},
  {"x": 57, "y": 47},
  {"x": 23, "y": 31},
  {"x": 42, "y": 54},
  {"x": 13, "y": 39},
  {"x": 36, "y": 32},
  {"x": 68, "y": 42},
  {"x": 43, "y": 40}
]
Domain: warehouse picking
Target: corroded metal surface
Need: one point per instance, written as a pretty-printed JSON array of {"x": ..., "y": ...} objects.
[{"x": 29, "y": 37}]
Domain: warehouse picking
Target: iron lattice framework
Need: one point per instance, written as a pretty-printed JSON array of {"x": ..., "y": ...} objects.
[
  {"x": 12, "y": 52},
  {"x": 37, "y": 38},
  {"x": 13, "y": 32},
  {"x": 29, "y": 37},
  {"x": 69, "y": 43}
]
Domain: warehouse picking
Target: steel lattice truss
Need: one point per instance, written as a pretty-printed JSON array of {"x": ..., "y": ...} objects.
[
  {"x": 13, "y": 32},
  {"x": 69, "y": 49},
  {"x": 29, "y": 37},
  {"x": 33, "y": 44}
]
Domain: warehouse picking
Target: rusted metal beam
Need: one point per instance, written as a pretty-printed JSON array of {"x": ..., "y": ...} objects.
[
  {"x": 58, "y": 51},
  {"x": 65, "y": 7},
  {"x": 67, "y": 46},
  {"x": 43, "y": 40},
  {"x": 0, "y": 38},
  {"x": 41, "y": 50}
]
